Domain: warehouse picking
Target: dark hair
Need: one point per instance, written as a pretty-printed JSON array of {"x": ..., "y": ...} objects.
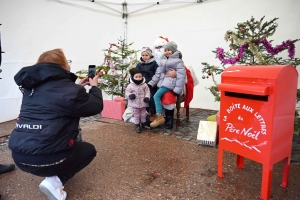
[{"x": 134, "y": 71}]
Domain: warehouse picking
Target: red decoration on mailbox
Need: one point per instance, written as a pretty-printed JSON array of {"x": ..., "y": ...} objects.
[{"x": 257, "y": 117}]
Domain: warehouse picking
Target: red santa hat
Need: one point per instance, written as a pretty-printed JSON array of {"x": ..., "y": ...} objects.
[{"x": 160, "y": 41}]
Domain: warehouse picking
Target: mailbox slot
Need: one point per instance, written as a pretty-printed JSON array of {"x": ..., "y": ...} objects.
[
  {"x": 260, "y": 90},
  {"x": 247, "y": 96}
]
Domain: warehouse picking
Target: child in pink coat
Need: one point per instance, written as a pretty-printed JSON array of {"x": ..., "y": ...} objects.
[{"x": 138, "y": 95}]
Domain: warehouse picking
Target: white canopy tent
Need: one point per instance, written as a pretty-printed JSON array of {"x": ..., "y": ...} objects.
[
  {"x": 83, "y": 28},
  {"x": 122, "y": 9}
]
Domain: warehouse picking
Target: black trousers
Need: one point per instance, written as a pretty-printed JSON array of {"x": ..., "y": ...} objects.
[
  {"x": 82, "y": 153},
  {"x": 152, "y": 103}
]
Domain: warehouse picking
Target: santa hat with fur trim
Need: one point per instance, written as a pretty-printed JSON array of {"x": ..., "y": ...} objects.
[{"x": 160, "y": 41}]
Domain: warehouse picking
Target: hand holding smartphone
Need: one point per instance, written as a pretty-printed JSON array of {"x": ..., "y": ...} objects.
[
  {"x": 92, "y": 74},
  {"x": 92, "y": 71}
]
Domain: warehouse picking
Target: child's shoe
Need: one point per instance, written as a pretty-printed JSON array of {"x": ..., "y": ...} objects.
[
  {"x": 145, "y": 126},
  {"x": 138, "y": 128},
  {"x": 159, "y": 120}
]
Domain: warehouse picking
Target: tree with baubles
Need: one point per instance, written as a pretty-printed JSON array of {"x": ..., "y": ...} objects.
[{"x": 249, "y": 44}]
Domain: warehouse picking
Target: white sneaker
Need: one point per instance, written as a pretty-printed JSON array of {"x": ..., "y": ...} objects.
[{"x": 52, "y": 193}]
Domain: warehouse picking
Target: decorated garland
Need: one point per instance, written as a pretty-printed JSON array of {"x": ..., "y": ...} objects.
[
  {"x": 220, "y": 52},
  {"x": 251, "y": 45},
  {"x": 266, "y": 43},
  {"x": 279, "y": 48}
]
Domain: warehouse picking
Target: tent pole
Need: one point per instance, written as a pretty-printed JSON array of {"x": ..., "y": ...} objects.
[{"x": 124, "y": 16}]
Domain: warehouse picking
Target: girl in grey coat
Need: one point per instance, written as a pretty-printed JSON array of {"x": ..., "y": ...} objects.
[
  {"x": 138, "y": 95},
  {"x": 172, "y": 59}
]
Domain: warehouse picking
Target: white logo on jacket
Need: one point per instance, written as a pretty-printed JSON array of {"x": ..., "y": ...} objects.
[{"x": 28, "y": 126}]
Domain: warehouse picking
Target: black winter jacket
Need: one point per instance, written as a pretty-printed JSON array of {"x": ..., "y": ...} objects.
[
  {"x": 148, "y": 68},
  {"x": 49, "y": 118}
]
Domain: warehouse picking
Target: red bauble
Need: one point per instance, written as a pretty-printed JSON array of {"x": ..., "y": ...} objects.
[
  {"x": 207, "y": 77},
  {"x": 228, "y": 36},
  {"x": 241, "y": 30},
  {"x": 209, "y": 73}
]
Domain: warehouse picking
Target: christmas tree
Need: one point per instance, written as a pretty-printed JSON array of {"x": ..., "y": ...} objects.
[
  {"x": 249, "y": 45},
  {"x": 113, "y": 72}
]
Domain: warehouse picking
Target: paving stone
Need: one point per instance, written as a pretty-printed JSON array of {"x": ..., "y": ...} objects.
[
  {"x": 188, "y": 137},
  {"x": 177, "y": 133}
]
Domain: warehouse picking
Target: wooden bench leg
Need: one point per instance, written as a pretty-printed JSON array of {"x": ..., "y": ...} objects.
[{"x": 187, "y": 113}]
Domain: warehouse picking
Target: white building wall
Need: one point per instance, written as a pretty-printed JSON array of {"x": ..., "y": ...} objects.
[
  {"x": 199, "y": 28},
  {"x": 30, "y": 27}
]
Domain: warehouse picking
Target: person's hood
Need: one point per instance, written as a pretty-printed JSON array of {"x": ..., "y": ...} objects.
[
  {"x": 32, "y": 76},
  {"x": 131, "y": 81},
  {"x": 148, "y": 61},
  {"x": 176, "y": 54}
]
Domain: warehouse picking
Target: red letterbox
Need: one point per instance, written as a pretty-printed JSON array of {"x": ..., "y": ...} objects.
[{"x": 257, "y": 117}]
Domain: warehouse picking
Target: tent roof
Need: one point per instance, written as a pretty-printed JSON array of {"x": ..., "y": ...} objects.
[{"x": 131, "y": 7}]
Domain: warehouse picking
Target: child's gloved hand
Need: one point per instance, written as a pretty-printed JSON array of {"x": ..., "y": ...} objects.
[
  {"x": 146, "y": 99},
  {"x": 132, "y": 96},
  {"x": 175, "y": 93}
]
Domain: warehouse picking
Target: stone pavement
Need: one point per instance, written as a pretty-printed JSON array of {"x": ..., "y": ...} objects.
[{"x": 188, "y": 130}]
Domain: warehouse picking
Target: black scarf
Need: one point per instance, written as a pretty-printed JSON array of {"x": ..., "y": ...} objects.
[{"x": 137, "y": 82}]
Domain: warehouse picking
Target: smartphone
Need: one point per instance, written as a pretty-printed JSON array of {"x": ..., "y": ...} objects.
[{"x": 92, "y": 71}]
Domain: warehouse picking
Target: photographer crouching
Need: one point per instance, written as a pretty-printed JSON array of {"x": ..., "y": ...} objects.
[{"x": 44, "y": 140}]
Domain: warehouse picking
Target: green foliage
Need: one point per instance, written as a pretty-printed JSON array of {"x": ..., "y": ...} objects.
[
  {"x": 113, "y": 72},
  {"x": 247, "y": 37},
  {"x": 297, "y": 111},
  {"x": 119, "y": 58},
  {"x": 216, "y": 71},
  {"x": 247, "y": 33}
]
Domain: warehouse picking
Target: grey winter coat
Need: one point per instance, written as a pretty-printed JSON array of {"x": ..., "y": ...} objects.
[
  {"x": 141, "y": 91},
  {"x": 175, "y": 84}
]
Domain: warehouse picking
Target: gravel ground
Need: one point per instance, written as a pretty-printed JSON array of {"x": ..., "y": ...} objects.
[{"x": 155, "y": 164}]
